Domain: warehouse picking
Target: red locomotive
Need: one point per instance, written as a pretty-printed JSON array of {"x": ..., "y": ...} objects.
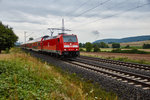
[{"x": 60, "y": 45}]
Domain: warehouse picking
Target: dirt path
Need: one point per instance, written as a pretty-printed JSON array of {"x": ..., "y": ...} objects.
[{"x": 117, "y": 55}]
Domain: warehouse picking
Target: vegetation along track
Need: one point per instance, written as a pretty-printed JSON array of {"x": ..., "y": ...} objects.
[
  {"x": 120, "y": 63},
  {"x": 132, "y": 78}
]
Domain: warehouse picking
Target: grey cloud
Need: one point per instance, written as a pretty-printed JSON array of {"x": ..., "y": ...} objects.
[
  {"x": 68, "y": 8},
  {"x": 148, "y": 0},
  {"x": 96, "y": 33},
  {"x": 26, "y": 21}
]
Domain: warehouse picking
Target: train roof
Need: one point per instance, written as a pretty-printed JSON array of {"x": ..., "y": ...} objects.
[{"x": 47, "y": 37}]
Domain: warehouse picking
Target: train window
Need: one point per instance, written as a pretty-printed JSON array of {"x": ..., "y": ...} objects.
[
  {"x": 58, "y": 39},
  {"x": 70, "y": 38},
  {"x": 39, "y": 44}
]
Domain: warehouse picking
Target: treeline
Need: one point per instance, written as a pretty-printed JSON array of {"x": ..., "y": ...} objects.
[
  {"x": 96, "y": 46},
  {"x": 7, "y": 37},
  {"x": 100, "y": 45}
]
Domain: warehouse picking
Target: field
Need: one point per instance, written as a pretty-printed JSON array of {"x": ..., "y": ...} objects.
[
  {"x": 138, "y": 44},
  {"x": 135, "y": 44},
  {"x": 136, "y": 58},
  {"x": 110, "y": 49},
  {"x": 25, "y": 77}
]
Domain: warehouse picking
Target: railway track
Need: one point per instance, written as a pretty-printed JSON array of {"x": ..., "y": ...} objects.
[
  {"x": 110, "y": 79},
  {"x": 137, "y": 80},
  {"x": 120, "y": 63}
]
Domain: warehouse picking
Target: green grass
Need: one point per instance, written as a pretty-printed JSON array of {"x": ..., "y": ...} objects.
[
  {"x": 131, "y": 51},
  {"x": 132, "y": 47},
  {"x": 25, "y": 77},
  {"x": 106, "y": 49},
  {"x": 102, "y": 49}
]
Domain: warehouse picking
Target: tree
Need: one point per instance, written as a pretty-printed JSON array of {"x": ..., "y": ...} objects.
[
  {"x": 95, "y": 44},
  {"x": 83, "y": 45},
  {"x": 7, "y": 37},
  {"x": 116, "y": 45},
  {"x": 88, "y": 46},
  {"x": 146, "y": 46},
  {"x": 96, "y": 49},
  {"x": 80, "y": 45},
  {"x": 103, "y": 45}
]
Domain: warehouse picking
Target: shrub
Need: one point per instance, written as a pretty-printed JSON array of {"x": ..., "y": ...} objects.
[
  {"x": 116, "y": 50},
  {"x": 127, "y": 46},
  {"x": 116, "y": 45},
  {"x": 88, "y": 46},
  {"x": 103, "y": 45},
  {"x": 146, "y": 46},
  {"x": 81, "y": 49},
  {"x": 133, "y": 51},
  {"x": 96, "y": 49}
]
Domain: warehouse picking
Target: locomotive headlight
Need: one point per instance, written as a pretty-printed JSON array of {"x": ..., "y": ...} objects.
[
  {"x": 75, "y": 45},
  {"x": 66, "y": 46},
  {"x": 65, "y": 49}
]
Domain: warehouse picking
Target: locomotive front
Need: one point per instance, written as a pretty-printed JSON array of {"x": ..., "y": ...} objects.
[{"x": 70, "y": 46}]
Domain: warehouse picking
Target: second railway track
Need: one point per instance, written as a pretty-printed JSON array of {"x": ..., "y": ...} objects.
[
  {"x": 120, "y": 63},
  {"x": 137, "y": 80}
]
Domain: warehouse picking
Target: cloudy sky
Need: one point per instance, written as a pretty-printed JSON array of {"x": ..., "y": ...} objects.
[{"x": 90, "y": 20}]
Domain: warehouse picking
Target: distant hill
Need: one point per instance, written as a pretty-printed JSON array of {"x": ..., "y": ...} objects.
[{"x": 125, "y": 40}]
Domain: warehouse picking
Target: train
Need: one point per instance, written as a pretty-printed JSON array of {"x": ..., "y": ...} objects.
[{"x": 62, "y": 45}]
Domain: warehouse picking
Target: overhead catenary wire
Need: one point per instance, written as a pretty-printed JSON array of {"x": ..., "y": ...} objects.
[
  {"x": 102, "y": 3},
  {"x": 76, "y": 9},
  {"x": 130, "y": 9}
]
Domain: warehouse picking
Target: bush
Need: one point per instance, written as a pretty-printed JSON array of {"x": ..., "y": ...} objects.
[
  {"x": 103, "y": 45},
  {"x": 116, "y": 45},
  {"x": 116, "y": 50},
  {"x": 146, "y": 46},
  {"x": 128, "y": 46},
  {"x": 88, "y": 46},
  {"x": 133, "y": 51},
  {"x": 96, "y": 49},
  {"x": 81, "y": 49}
]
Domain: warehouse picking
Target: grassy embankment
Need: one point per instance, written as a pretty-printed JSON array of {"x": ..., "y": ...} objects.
[{"x": 25, "y": 77}]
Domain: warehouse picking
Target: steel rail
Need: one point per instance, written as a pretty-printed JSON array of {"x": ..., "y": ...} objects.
[
  {"x": 124, "y": 75},
  {"x": 121, "y": 63}
]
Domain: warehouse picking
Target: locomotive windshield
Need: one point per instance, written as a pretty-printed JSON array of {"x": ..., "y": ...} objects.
[{"x": 70, "y": 38}]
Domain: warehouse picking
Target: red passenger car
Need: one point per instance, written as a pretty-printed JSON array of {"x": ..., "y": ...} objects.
[{"x": 60, "y": 45}]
